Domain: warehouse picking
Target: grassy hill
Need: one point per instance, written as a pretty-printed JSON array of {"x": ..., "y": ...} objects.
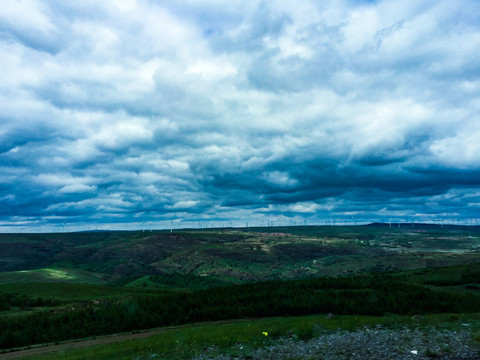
[
  {"x": 71, "y": 285},
  {"x": 233, "y": 255}
]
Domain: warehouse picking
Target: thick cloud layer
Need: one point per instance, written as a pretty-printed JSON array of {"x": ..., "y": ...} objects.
[{"x": 134, "y": 112}]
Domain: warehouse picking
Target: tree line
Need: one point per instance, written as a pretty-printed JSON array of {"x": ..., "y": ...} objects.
[
  {"x": 8, "y": 301},
  {"x": 360, "y": 295}
]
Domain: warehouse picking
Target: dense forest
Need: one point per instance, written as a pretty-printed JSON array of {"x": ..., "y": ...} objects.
[
  {"x": 362, "y": 295},
  {"x": 8, "y": 301}
]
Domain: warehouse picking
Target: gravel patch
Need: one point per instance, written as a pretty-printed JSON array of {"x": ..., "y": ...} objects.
[{"x": 368, "y": 343}]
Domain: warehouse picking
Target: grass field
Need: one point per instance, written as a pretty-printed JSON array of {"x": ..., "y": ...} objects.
[
  {"x": 232, "y": 255},
  {"x": 55, "y": 275},
  {"x": 70, "y": 292},
  {"x": 188, "y": 341},
  {"x": 113, "y": 267}
]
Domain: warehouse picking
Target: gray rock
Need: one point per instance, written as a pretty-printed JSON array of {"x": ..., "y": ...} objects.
[{"x": 369, "y": 343}]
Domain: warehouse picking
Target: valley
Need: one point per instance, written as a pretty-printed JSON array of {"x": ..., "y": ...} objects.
[{"x": 57, "y": 287}]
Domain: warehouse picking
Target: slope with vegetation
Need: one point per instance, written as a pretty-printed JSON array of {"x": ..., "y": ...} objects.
[{"x": 93, "y": 284}]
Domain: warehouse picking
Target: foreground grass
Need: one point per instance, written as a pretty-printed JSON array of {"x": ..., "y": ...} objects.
[{"x": 191, "y": 340}]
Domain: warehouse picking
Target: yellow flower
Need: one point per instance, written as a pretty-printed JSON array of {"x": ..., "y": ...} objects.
[{"x": 265, "y": 333}]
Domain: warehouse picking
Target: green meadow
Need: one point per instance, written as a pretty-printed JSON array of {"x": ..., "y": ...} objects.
[
  {"x": 58, "y": 287},
  {"x": 192, "y": 340}
]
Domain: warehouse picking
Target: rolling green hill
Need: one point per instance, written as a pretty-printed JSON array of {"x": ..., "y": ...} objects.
[
  {"x": 233, "y": 255},
  {"x": 71, "y": 285}
]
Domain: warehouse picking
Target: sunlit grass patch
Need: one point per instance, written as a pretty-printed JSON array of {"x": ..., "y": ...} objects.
[{"x": 56, "y": 275}]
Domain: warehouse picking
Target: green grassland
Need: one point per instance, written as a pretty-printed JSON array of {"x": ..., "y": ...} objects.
[
  {"x": 54, "y": 275},
  {"x": 195, "y": 259},
  {"x": 70, "y": 292},
  {"x": 188, "y": 341},
  {"x": 104, "y": 275},
  {"x": 176, "y": 281},
  {"x": 232, "y": 255}
]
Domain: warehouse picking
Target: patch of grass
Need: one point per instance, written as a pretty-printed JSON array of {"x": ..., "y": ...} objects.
[
  {"x": 68, "y": 292},
  {"x": 305, "y": 333},
  {"x": 476, "y": 338},
  {"x": 176, "y": 281},
  {"x": 62, "y": 275},
  {"x": 189, "y": 341}
]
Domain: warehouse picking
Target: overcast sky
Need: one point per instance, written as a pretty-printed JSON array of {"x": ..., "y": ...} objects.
[{"x": 118, "y": 113}]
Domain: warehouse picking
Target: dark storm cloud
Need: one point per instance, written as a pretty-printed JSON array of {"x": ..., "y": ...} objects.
[{"x": 134, "y": 112}]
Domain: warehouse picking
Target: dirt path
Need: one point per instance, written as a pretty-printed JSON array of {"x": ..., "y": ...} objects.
[
  {"x": 75, "y": 345},
  {"x": 78, "y": 344}
]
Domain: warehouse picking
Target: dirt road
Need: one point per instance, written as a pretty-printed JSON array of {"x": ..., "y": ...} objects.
[{"x": 76, "y": 344}]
